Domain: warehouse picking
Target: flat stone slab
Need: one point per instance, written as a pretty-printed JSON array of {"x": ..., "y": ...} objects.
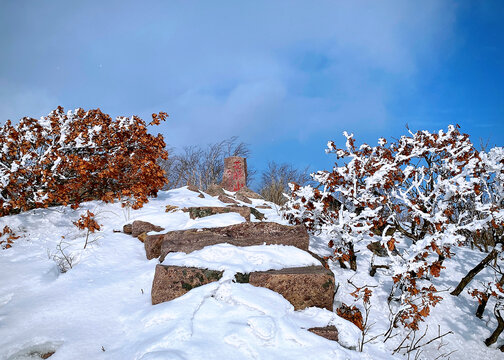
[
  {"x": 171, "y": 282},
  {"x": 329, "y": 332},
  {"x": 302, "y": 286},
  {"x": 199, "y": 212},
  {"x": 243, "y": 234}
]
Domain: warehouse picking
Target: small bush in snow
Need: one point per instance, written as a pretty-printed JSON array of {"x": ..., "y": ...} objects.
[
  {"x": 65, "y": 260},
  {"x": 8, "y": 237},
  {"x": 88, "y": 223}
]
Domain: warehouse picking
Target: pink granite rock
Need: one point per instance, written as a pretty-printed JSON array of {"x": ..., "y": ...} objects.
[
  {"x": 193, "y": 188},
  {"x": 302, "y": 286},
  {"x": 127, "y": 229},
  {"x": 329, "y": 332},
  {"x": 171, "y": 282},
  {"x": 226, "y": 199},
  {"x": 138, "y": 227},
  {"x": 243, "y": 234},
  {"x": 243, "y": 198},
  {"x": 202, "y": 211},
  {"x": 245, "y": 191},
  {"x": 215, "y": 190}
]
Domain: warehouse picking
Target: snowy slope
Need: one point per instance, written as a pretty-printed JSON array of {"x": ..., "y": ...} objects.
[{"x": 101, "y": 308}]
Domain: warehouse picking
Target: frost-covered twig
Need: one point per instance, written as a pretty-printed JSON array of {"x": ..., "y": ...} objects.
[
  {"x": 64, "y": 260},
  {"x": 415, "y": 344}
]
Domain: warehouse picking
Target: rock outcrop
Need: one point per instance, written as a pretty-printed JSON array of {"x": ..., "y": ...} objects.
[
  {"x": 171, "y": 282},
  {"x": 302, "y": 286},
  {"x": 243, "y": 234},
  {"x": 215, "y": 190},
  {"x": 245, "y": 191},
  {"x": 226, "y": 199},
  {"x": 243, "y": 198},
  {"x": 199, "y": 212},
  {"x": 138, "y": 227}
]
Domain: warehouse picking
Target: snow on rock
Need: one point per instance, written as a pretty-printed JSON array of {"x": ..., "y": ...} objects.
[{"x": 233, "y": 259}]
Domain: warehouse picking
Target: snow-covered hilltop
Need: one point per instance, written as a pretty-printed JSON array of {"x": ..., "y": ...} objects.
[{"x": 100, "y": 308}]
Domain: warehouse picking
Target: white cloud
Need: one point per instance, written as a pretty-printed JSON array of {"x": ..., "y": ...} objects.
[{"x": 258, "y": 69}]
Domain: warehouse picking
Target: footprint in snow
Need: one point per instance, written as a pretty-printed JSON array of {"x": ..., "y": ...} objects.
[{"x": 263, "y": 327}]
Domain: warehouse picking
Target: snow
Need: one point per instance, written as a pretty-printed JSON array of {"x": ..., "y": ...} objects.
[
  {"x": 101, "y": 307},
  {"x": 232, "y": 259}
]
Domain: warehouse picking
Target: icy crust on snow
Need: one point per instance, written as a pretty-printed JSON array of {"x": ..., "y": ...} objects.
[{"x": 101, "y": 308}]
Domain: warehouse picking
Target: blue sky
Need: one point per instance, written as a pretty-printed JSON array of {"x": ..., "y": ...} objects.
[{"x": 284, "y": 76}]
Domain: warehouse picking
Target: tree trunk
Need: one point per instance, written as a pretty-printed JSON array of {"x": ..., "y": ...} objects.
[
  {"x": 353, "y": 258},
  {"x": 471, "y": 274},
  {"x": 500, "y": 327},
  {"x": 481, "y": 307},
  {"x": 372, "y": 272}
]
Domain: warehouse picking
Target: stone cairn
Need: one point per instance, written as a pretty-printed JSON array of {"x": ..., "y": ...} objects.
[{"x": 302, "y": 286}]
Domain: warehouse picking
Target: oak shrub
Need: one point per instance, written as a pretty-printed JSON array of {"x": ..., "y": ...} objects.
[
  {"x": 68, "y": 158},
  {"x": 417, "y": 198}
]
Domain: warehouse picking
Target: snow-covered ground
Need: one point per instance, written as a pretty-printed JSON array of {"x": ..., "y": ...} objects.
[{"x": 101, "y": 307}]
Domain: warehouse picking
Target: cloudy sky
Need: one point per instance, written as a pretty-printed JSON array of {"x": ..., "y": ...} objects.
[{"x": 284, "y": 76}]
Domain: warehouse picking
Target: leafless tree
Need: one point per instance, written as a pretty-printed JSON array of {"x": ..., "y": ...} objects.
[
  {"x": 202, "y": 166},
  {"x": 275, "y": 180}
]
